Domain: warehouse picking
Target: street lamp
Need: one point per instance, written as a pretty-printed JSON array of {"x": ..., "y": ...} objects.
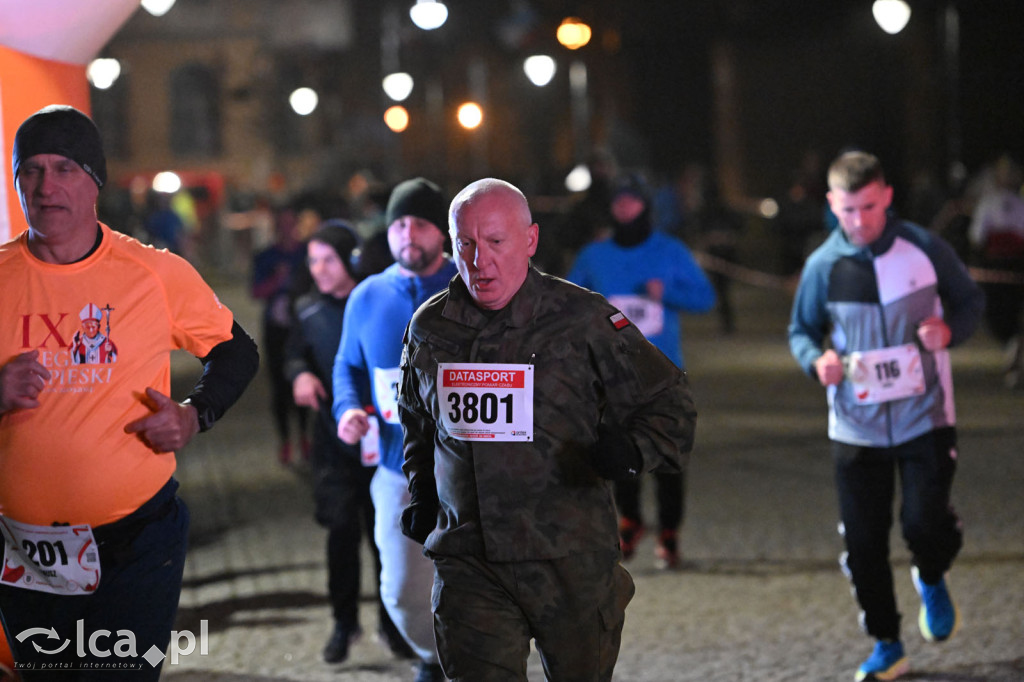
[
  {"x": 103, "y": 72},
  {"x": 540, "y": 69},
  {"x": 470, "y": 115},
  {"x": 428, "y": 14},
  {"x": 166, "y": 182},
  {"x": 951, "y": 52},
  {"x": 891, "y": 15},
  {"x": 398, "y": 85},
  {"x": 396, "y": 118},
  {"x": 303, "y": 101},
  {"x": 157, "y": 8},
  {"x": 578, "y": 179},
  {"x": 573, "y": 33},
  {"x": 579, "y": 107}
]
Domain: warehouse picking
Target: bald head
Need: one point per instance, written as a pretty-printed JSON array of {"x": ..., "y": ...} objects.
[
  {"x": 492, "y": 189},
  {"x": 494, "y": 237}
]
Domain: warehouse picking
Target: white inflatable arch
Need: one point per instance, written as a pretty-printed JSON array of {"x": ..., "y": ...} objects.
[{"x": 45, "y": 46}]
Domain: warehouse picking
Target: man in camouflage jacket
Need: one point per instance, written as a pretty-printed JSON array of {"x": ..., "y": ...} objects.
[{"x": 522, "y": 396}]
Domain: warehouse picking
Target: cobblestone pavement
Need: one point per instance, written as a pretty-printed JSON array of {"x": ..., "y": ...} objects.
[{"x": 760, "y": 596}]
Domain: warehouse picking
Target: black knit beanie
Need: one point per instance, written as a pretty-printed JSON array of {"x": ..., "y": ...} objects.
[
  {"x": 63, "y": 130},
  {"x": 634, "y": 184},
  {"x": 338, "y": 235},
  {"x": 421, "y": 198},
  {"x": 640, "y": 228}
]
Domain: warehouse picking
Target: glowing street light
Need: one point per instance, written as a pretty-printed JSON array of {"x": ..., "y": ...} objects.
[
  {"x": 398, "y": 85},
  {"x": 470, "y": 115},
  {"x": 303, "y": 101},
  {"x": 166, "y": 182},
  {"x": 573, "y": 33},
  {"x": 891, "y": 15},
  {"x": 578, "y": 179},
  {"x": 428, "y": 14},
  {"x": 157, "y": 8},
  {"x": 768, "y": 208},
  {"x": 396, "y": 118},
  {"x": 103, "y": 72},
  {"x": 540, "y": 69}
]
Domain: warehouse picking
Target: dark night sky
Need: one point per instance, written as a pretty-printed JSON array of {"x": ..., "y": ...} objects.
[
  {"x": 823, "y": 75},
  {"x": 810, "y": 74}
]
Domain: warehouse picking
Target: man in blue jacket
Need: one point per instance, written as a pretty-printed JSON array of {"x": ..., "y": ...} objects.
[
  {"x": 891, "y": 298},
  {"x": 652, "y": 278},
  {"x": 367, "y": 363}
]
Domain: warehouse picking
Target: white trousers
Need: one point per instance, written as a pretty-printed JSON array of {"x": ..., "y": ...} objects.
[{"x": 406, "y": 576}]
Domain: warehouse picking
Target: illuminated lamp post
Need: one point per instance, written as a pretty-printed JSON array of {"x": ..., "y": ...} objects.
[
  {"x": 540, "y": 69},
  {"x": 951, "y": 51},
  {"x": 103, "y": 72},
  {"x": 396, "y": 118},
  {"x": 157, "y": 8},
  {"x": 891, "y": 15},
  {"x": 397, "y": 85},
  {"x": 166, "y": 182},
  {"x": 470, "y": 115},
  {"x": 573, "y": 34},
  {"x": 303, "y": 101},
  {"x": 428, "y": 14}
]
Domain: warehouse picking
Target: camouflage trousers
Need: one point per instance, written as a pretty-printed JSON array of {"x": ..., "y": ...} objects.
[{"x": 486, "y": 613}]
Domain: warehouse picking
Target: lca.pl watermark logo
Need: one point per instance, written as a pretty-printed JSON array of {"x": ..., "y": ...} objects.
[{"x": 119, "y": 647}]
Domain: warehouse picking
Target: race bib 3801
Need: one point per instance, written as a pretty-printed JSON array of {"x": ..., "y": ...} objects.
[{"x": 481, "y": 401}]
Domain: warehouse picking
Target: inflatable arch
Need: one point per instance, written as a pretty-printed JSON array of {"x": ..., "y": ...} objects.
[{"x": 45, "y": 46}]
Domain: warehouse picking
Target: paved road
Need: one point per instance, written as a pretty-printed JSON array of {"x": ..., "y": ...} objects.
[{"x": 760, "y": 596}]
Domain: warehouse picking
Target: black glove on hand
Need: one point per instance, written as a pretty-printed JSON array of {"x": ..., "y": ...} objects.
[
  {"x": 420, "y": 517},
  {"x": 615, "y": 457}
]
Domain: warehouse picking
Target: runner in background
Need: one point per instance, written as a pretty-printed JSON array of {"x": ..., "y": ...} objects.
[
  {"x": 877, "y": 306},
  {"x": 652, "y": 278}
]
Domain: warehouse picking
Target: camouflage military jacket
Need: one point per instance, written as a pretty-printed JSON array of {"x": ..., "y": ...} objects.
[{"x": 537, "y": 499}]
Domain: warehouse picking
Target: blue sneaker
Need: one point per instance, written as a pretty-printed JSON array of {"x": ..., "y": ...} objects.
[
  {"x": 938, "y": 618},
  {"x": 886, "y": 662}
]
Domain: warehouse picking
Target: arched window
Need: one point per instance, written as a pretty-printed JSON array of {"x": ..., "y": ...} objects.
[
  {"x": 195, "y": 111},
  {"x": 109, "y": 111}
]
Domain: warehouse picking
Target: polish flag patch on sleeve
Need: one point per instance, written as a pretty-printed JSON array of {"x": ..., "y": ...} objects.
[{"x": 619, "y": 321}]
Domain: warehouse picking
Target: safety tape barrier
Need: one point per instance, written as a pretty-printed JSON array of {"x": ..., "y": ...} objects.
[
  {"x": 767, "y": 280},
  {"x": 743, "y": 274},
  {"x": 989, "y": 276}
]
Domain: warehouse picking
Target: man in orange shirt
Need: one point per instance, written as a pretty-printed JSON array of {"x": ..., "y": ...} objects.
[{"x": 87, "y": 445}]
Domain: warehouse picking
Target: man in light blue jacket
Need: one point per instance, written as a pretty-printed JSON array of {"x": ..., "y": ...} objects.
[{"x": 890, "y": 297}]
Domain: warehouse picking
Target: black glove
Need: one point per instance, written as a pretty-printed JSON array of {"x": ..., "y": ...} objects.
[
  {"x": 420, "y": 517},
  {"x": 615, "y": 456}
]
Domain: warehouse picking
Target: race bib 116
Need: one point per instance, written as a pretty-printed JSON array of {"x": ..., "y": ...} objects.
[{"x": 885, "y": 374}]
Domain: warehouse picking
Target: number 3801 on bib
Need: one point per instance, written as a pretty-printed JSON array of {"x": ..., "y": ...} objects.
[{"x": 481, "y": 401}]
